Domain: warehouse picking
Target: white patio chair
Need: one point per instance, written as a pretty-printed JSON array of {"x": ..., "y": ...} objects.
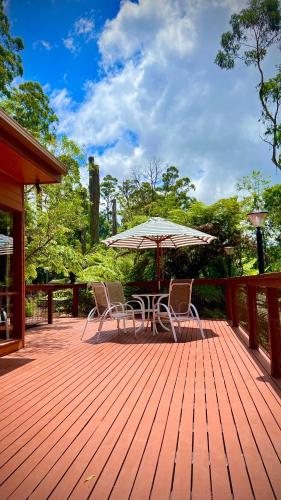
[
  {"x": 179, "y": 309},
  {"x": 116, "y": 296},
  {"x": 104, "y": 309}
]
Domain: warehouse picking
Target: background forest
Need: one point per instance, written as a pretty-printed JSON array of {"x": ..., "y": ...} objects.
[{"x": 65, "y": 223}]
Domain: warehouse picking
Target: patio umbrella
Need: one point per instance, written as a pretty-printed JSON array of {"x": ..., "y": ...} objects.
[{"x": 158, "y": 233}]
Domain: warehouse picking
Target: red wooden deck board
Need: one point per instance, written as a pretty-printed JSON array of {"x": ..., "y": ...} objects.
[
  {"x": 140, "y": 418},
  {"x": 245, "y": 421},
  {"x": 37, "y": 446},
  {"x": 220, "y": 481},
  {"x": 261, "y": 458},
  {"x": 91, "y": 443}
]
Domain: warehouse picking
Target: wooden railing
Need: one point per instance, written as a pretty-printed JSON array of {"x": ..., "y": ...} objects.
[
  {"x": 49, "y": 291},
  {"x": 271, "y": 284}
]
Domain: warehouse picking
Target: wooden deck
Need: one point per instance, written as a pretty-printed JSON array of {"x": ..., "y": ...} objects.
[{"x": 138, "y": 419}]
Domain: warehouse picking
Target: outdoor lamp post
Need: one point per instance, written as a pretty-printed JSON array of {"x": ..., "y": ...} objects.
[
  {"x": 257, "y": 218},
  {"x": 229, "y": 251}
]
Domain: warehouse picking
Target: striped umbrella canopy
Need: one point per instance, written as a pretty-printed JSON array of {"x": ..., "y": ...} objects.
[
  {"x": 158, "y": 233},
  {"x": 6, "y": 245}
]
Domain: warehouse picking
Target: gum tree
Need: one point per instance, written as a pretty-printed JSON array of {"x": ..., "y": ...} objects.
[
  {"x": 10, "y": 59},
  {"x": 254, "y": 31}
]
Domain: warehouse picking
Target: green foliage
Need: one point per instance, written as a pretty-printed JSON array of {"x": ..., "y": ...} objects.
[
  {"x": 107, "y": 265},
  {"x": 30, "y": 107},
  {"x": 253, "y": 31},
  {"x": 272, "y": 202},
  {"x": 10, "y": 59},
  {"x": 55, "y": 219},
  {"x": 254, "y": 186},
  {"x": 108, "y": 192}
]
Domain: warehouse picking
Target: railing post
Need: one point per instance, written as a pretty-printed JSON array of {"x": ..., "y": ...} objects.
[
  {"x": 50, "y": 306},
  {"x": 252, "y": 316},
  {"x": 75, "y": 301},
  {"x": 274, "y": 331},
  {"x": 228, "y": 296},
  {"x": 235, "y": 311}
]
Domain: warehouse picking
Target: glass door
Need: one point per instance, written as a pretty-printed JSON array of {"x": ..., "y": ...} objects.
[{"x": 6, "y": 253}]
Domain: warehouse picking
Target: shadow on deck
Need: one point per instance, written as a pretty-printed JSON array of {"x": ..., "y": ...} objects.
[{"x": 138, "y": 417}]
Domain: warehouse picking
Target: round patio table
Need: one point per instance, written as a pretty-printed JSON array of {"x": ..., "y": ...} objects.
[{"x": 149, "y": 301}]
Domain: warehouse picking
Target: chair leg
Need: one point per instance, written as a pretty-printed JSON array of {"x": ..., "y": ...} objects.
[
  {"x": 84, "y": 329},
  {"x": 195, "y": 315},
  {"x": 172, "y": 327},
  {"x": 90, "y": 316},
  {"x": 124, "y": 326},
  {"x": 134, "y": 326},
  {"x": 174, "y": 332},
  {"x": 200, "y": 327}
]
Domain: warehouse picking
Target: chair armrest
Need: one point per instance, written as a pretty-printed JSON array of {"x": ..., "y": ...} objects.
[
  {"x": 164, "y": 306},
  {"x": 136, "y": 301},
  {"x": 164, "y": 296}
]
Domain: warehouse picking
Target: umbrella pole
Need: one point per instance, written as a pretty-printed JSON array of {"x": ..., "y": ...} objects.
[{"x": 158, "y": 266}]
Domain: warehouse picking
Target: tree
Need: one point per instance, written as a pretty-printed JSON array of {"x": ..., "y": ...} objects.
[
  {"x": 10, "y": 59},
  {"x": 108, "y": 192},
  {"x": 53, "y": 227},
  {"x": 272, "y": 201},
  {"x": 30, "y": 107},
  {"x": 253, "y": 186},
  {"x": 253, "y": 31},
  {"x": 271, "y": 95},
  {"x": 94, "y": 198},
  {"x": 114, "y": 216},
  {"x": 153, "y": 171},
  {"x": 176, "y": 189}
]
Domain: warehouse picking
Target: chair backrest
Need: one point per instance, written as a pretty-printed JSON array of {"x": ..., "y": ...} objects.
[
  {"x": 101, "y": 297},
  {"x": 115, "y": 292},
  {"x": 180, "y": 295}
]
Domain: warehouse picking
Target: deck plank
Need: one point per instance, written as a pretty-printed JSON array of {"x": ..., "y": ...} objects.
[
  {"x": 220, "y": 480},
  {"x": 89, "y": 412},
  {"x": 139, "y": 418}
]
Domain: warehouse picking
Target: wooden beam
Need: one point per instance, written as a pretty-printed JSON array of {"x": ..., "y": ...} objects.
[
  {"x": 18, "y": 300},
  {"x": 274, "y": 331},
  {"x": 235, "y": 310},
  {"x": 252, "y": 316},
  {"x": 75, "y": 301},
  {"x": 50, "y": 306},
  {"x": 228, "y": 298}
]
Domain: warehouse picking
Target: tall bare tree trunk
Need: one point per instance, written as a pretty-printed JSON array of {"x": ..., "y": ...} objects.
[
  {"x": 94, "y": 195},
  {"x": 114, "y": 216},
  {"x": 84, "y": 229}
]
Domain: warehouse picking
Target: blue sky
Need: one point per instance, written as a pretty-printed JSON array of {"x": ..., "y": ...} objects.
[{"x": 133, "y": 81}]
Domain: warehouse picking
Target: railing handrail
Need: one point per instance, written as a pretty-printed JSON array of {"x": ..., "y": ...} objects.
[
  {"x": 272, "y": 280},
  {"x": 54, "y": 286}
]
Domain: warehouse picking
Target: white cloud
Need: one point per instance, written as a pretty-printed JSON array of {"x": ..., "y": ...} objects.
[
  {"x": 42, "y": 44},
  {"x": 162, "y": 96},
  {"x": 156, "y": 28},
  {"x": 83, "y": 31},
  {"x": 232, "y": 5},
  {"x": 70, "y": 44},
  {"x": 84, "y": 26}
]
